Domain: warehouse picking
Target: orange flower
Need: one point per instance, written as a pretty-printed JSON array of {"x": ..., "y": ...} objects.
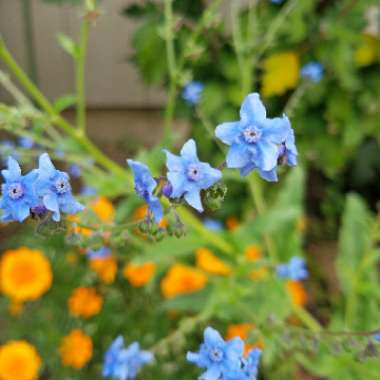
[
  {"x": 232, "y": 223},
  {"x": 182, "y": 279},
  {"x": 297, "y": 292},
  {"x": 15, "y": 308},
  {"x": 242, "y": 330},
  {"x": 253, "y": 252},
  {"x": 75, "y": 349},
  {"x": 259, "y": 274},
  {"x": 79, "y": 230},
  {"x": 19, "y": 360},
  {"x": 25, "y": 274},
  {"x": 85, "y": 302},
  {"x": 104, "y": 209},
  {"x": 210, "y": 263},
  {"x": 142, "y": 211},
  {"x": 105, "y": 268},
  {"x": 139, "y": 275}
]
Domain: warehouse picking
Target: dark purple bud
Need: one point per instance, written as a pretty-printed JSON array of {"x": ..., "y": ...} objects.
[
  {"x": 38, "y": 210},
  {"x": 167, "y": 190}
]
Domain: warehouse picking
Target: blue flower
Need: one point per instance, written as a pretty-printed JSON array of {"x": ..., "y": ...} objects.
[
  {"x": 100, "y": 253},
  {"x": 313, "y": 71},
  {"x": 377, "y": 337},
  {"x": 122, "y": 363},
  {"x": 144, "y": 187},
  {"x": 75, "y": 170},
  {"x": 277, "y": 1},
  {"x": 25, "y": 142},
  {"x": 188, "y": 176},
  {"x": 18, "y": 195},
  {"x": 192, "y": 92},
  {"x": 54, "y": 189},
  {"x": 213, "y": 224},
  {"x": 251, "y": 364},
  {"x": 218, "y": 357},
  {"x": 255, "y": 141},
  {"x": 88, "y": 191},
  {"x": 294, "y": 270}
]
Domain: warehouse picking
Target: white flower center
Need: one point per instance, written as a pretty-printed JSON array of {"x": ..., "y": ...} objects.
[
  {"x": 251, "y": 135},
  {"x": 193, "y": 172},
  {"x": 216, "y": 354},
  {"x": 62, "y": 185},
  {"x": 15, "y": 191}
]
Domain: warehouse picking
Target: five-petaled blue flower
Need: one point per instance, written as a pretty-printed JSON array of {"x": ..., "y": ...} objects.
[
  {"x": 192, "y": 92},
  {"x": 122, "y": 363},
  {"x": 256, "y": 142},
  {"x": 251, "y": 364},
  {"x": 313, "y": 71},
  {"x": 188, "y": 176},
  {"x": 144, "y": 187},
  {"x": 18, "y": 195},
  {"x": 54, "y": 189},
  {"x": 294, "y": 270},
  {"x": 218, "y": 357},
  {"x": 100, "y": 253}
]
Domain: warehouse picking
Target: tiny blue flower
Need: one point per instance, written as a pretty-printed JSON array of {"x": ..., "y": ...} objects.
[
  {"x": 8, "y": 149},
  {"x": 251, "y": 364},
  {"x": 213, "y": 224},
  {"x": 218, "y": 357},
  {"x": 277, "y": 1},
  {"x": 100, "y": 253},
  {"x": 88, "y": 191},
  {"x": 144, "y": 187},
  {"x": 188, "y": 176},
  {"x": 377, "y": 337},
  {"x": 75, "y": 170},
  {"x": 122, "y": 363},
  {"x": 54, "y": 189},
  {"x": 18, "y": 195},
  {"x": 313, "y": 71},
  {"x": 25, "y": 142},
  {"x": 255, "y": 140},
  {"x": 294, "y": 270},
  {"x": 192, "y": 92}
]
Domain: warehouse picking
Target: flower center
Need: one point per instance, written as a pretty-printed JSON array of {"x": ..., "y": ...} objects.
[
  {"x": 193, "y": 172},
  {"x": 216, "y": 354},
  {"x": 142, "y": 192},
  {"x": 15, "y": 191},
  {"x": 251, "y": 135},
  {"x": 62, "y": 186}
]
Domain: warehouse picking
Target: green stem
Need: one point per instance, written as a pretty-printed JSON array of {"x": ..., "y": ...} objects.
[
  {"x": 169, "y": 114},
  {"x": 13, "y": 90},
  {"x": 27, "y": 15},
  {"x": 80, "y": 76},
  {"x": 307, "y": 319}
]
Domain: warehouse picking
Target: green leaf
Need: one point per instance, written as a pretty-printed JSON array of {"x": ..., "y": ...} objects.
[
  {"x": 68, "y": 45},
  {"x": 64, "y": 102}
]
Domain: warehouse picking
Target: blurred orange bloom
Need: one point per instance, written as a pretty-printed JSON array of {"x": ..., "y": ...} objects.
[
  {"x": 79, "y": 230},
  {"x": 259, "y": 274},
  {"x": 75, "y": 349},
  {"x": 104, "y": 209},
  {"x": 139, "y": 275},
  {"x": 85, "y": 302},
  {"x": 19, "y": 360},
  {"x": 297, "y": 292},
  {"x": 142, "y": 211},
  {"x": 242, "y": 330},
  {"x": 15, "y": 308},
  {"x": 25, "y": 274},
  {"x": 253, "y": 252},
  {"x": 210, "y": 263},
  {"x": 232, "y": 223},
  {"x": 301, "y": 224},
  {"x": 105, "y": 268},
  {"x": 182, "y": 279}
]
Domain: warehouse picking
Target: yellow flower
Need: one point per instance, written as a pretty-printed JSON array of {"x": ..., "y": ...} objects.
[
  {"x": 104, "y": 209},
  {"x": 75, "y": 349},
  {"x": 105, "y": 268},
  {"x": 281, "y": 73},
  {"x": 25, "y": 274},
  {"x": 208, "y": 262},
  {"x": 297, "y": 292},
  {"x": 19, "y": 360},
  {"x": 232, "y": 223},
  {"x": 182, "y": 279},
  {"x": 139, "y": 275},
  {"x": 85, "y": 302},
  {"x": 253, "y": 252},
  {"x": 242, "y": 331},
  {"x": 369, "y": 50}
]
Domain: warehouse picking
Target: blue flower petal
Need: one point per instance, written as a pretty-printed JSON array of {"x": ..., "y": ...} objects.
[
  {"x": 268, "y": 155},
  {"x": 228, "y": 132},
  {"x": 189, "y": 151},
  {"x": 238, "y": 156},
  {"x": 276, "y": 130},
  {"x": 253, "y": 110},
  {"x": 193, "y": 198}
]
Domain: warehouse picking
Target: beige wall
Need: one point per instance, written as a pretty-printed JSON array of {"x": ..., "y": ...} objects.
[{"x": 111, "y": 80}]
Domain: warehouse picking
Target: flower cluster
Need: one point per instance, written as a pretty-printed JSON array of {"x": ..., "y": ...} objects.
[
  {"x": 294, "y": 270},
  {"x": 256, "y": 143},
  {"x": 225, "y": 360},
  {"x": 122, "y": 363},
  {"x": 42, "y": 190}
]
